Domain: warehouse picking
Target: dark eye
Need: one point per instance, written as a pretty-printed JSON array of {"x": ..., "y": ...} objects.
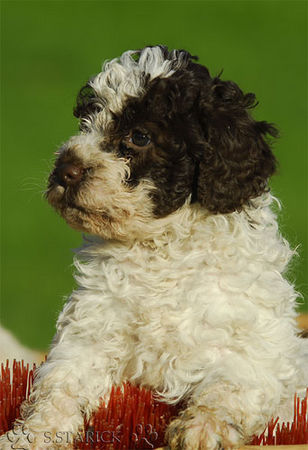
[{"x": 140, "y": 139}]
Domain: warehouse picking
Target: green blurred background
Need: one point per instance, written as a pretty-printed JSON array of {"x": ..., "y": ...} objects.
[{"x": 49, "y": 49}]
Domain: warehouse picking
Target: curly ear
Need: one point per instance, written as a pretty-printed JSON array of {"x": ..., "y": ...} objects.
[
  {"x": 86, "y": 102},
  {"x": 237, "y": 160}
]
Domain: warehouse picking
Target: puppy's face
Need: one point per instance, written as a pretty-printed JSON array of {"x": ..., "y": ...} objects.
[{"x": 157, "y": 130}]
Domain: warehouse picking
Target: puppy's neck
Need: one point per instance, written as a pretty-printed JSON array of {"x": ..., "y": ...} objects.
[{"x": 189, "y": 228}]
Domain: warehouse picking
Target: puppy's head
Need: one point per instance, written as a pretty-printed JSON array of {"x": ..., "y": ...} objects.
[{"x": 155, "y": 131}]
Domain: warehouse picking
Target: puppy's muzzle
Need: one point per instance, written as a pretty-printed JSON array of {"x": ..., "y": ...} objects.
[{"x": 68, "y": 174}]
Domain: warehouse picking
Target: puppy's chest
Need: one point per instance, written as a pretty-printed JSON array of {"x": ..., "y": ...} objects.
[
  {"x": 152, "y": 288},
  {"x": 149, "y": 294}
]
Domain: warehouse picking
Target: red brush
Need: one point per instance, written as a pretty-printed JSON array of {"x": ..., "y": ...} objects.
[{"x": 132, "y": 419}]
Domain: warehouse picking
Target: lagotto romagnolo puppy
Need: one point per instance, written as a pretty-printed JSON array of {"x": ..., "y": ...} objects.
[{"x": 181, "y": 285}]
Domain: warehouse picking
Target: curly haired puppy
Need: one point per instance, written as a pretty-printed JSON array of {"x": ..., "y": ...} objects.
[{"x": 180, "y": 286}]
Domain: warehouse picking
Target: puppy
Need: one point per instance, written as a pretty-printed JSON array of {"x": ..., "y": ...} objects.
[{"x": 181, "y": 285}]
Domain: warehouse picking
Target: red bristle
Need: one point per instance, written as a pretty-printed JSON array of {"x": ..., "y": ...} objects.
[
  {"x": 136, "y": 413},
  {"x": 14, "y": 388}
]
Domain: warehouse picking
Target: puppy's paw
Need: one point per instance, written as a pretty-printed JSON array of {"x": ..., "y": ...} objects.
[{"x": 197, "y": 428}]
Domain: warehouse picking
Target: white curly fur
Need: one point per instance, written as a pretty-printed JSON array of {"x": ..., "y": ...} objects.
[{"x": 192, "y": 305}]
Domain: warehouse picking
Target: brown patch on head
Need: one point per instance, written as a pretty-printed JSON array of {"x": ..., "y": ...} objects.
[
  {"x": 154, "y": 143},
  {"x": 204, "y": 142}
]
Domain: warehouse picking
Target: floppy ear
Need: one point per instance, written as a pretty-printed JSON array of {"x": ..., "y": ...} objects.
[{"x": 237, "y": 160}]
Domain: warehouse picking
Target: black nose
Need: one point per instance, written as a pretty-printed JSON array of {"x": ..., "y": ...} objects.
[{"x": 69, "y": 174}]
